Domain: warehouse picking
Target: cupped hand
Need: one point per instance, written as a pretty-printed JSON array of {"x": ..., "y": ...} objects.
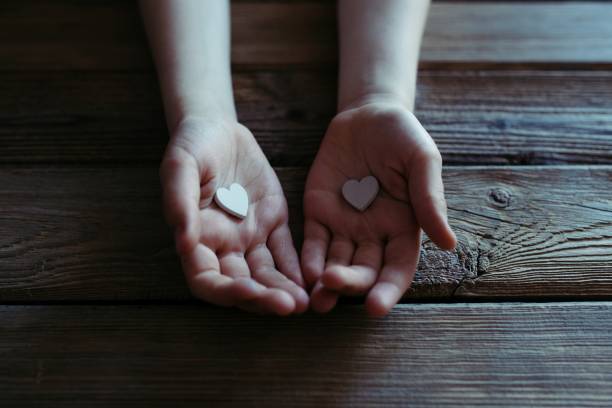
[
  {"x": 374, "y": 252},
  {"x": 250, "y": 263}
]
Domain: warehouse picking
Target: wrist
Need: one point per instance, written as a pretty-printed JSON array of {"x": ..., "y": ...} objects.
[
  {"x": 200, "y": 106},
  {"x": 376, "y": 97}
]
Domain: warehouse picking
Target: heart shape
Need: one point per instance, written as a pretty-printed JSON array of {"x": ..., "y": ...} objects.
[
  {"x": 234, "y": 200},
  {"x": 360, "y": 194}
]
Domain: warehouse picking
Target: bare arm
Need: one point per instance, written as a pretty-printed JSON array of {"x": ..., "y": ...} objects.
[
  {"x": 190, "y": 40},
  {"x": 379, "y": 49},
  {"x": 375, "y": 133},
  {"x": 209, "y": 149}
]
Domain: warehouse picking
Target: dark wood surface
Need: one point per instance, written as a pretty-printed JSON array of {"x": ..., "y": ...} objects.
[
  {"x": 98, "y": 234},
  {"x": 476, "y": 117},
  {"x": 491, "y": 354},
  {"x": 107, "y": 35},
  {"x": 517, "y": 95}
]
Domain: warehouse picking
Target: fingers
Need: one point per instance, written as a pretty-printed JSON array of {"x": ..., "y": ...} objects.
[
  {"x": 427, "y": 198},
  {"x": 244, "y": 293},
  {"x": 234, "y": 265},
  {"x": 340, "y": 254},
  {"x": 401, "y": 257},
  {"x": 359, "y": 277},
  {"x": 322, "y": 300},
  {"x": 285, "y": 256},
  {"x": 223, "y": 290},
  {"x": 273, "y": 301},
  {"x": 339, "y": 257},
  {"x": 181, "y": 195},
  {"x": 263, "y": 270},
  {"x": 200, "y": 259},
  {"x": 314, "y": 250},
  {"x": 203, "y": 273}
]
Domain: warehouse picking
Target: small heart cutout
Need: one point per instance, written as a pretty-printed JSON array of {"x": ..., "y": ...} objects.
[
  {"x": 360, "y": 194},
  {"x": 234, "y": 200}
]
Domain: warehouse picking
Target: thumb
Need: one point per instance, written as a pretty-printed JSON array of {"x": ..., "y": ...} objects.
[
  {"x": 180, "y": 181},
  {"x": 427, "y": 197}
]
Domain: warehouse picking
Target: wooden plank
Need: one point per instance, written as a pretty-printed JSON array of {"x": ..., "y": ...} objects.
[
  {"x": 442, "y": 355},
  {"x": 477, "y": 117},
  {"x": 98, "y": 234},
  {"x": 533, "y": 232},
  {"x": 107, "y": 34},
  {"x": 546, "y": 32}
]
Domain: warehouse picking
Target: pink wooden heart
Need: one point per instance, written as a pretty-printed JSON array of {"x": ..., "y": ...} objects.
[{"x": 360, "y": 194}]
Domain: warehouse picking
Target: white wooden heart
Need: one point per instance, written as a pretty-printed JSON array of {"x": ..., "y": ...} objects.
[
  {"x": 234, "y": 200},
  {"x": 360, "y": 194}
]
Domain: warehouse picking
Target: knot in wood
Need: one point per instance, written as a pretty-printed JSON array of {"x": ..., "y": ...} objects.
[{"x": 499, "y": 197}]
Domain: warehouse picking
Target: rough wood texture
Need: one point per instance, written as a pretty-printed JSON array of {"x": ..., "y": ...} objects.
[
  {"x": 107, "y": 34},
  {"x": 551, "y": 354},
  {"x": 502, "y": 83},
  {"x": 478, "y": 117},
  {"x": 497, "y": 32},
  {"x": 98, "y": 234},
  {"x": 536, "y": 231}
]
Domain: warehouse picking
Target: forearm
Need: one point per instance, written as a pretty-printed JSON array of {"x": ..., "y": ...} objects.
[
  {"x": 190, "y": 40},
  {"x": 379, "y": 50}
]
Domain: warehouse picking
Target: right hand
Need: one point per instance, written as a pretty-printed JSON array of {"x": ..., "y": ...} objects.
[
  {"x": 374, "y": 252},
  {"x": 251, "y": 263}
]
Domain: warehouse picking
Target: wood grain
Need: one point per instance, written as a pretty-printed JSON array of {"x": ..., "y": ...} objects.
[
  {"x": 495, "y": 31},
  {"x": 476, "y": 117},
  {"x": 523, "y": 239},
  {"x": 82, "y": 132},
  {"x": 107, "y": 35},
  {"x": 98, "y": 234},
  {"x": 547, "y": 355}
]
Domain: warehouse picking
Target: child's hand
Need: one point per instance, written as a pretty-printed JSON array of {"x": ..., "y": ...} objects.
[
  {"x": 249, "y": 263},
  {"x": 376, "y": 251}
]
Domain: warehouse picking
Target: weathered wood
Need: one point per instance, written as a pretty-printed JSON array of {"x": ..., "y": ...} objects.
[
  {"x": 107, "y": 34},
  {"x": 497, "y": 31},
  {"x": 550, "y": 354},
  {"x": 98, "y": 234},
  {"x": 478, "y": 117},
  {"x": 78, "y": 87},
  {"x": 533, "y": 232},
  {"x": 522, "y": 117}
]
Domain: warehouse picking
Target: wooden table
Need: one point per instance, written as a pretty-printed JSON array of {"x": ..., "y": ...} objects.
[{"x": 94, "y": 309}]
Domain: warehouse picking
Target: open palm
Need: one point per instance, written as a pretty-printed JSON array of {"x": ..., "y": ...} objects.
[
  {"x": 376, "y": 251},
  {"x": 249, "y": 263}
]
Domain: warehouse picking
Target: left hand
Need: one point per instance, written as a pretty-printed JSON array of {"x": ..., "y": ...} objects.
[
  {"x": 250, "y": 263},
  {"x": 376, "y": 251}
]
